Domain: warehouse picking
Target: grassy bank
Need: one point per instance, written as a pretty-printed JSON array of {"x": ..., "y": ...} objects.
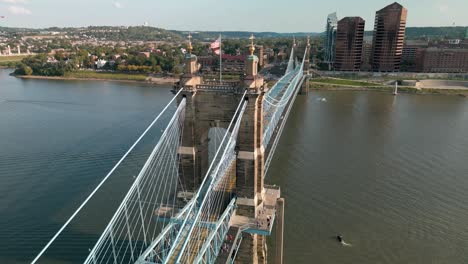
[
  {"x": 106, "y": 76},
  {"x": 12, "y": 58},
  {"x": 336, "y": 81},
  {"x": 397, "y": 76},
  {"x": 10, "y": 61},
  {"x": 388, "y": 89}
]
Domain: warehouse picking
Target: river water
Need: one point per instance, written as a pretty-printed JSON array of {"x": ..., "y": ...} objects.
[{"x": 388, "y": 173}]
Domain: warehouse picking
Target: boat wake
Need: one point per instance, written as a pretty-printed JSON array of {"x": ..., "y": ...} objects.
[{"x": 346, "y": 244}]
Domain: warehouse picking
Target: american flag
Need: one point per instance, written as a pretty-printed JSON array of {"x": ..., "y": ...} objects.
[{"x": 216, "y": 45}]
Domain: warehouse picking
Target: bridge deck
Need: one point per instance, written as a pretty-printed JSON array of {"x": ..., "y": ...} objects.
[{"x": 227, "y": 254}]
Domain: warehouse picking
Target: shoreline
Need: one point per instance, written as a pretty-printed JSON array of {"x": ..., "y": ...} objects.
[
  {"x": 149, "y": 80},
  {"x": 402, "y": 89},
  {"x": 312, "y": 85}
]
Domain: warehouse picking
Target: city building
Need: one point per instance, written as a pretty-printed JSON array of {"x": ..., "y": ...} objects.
[
  {"x": 144, "y": 53},
  {"x": 260, "y": 54},
  {"x": 452, "y": 44},
  {"x": 330, "y": 37},
  {"x": 366, "y": 55},
  {"x": 232, "y": 64},
  {"x": 282, "y": 55},
  {"x": 268, "y": 55},
  {"x": 410, "y": 49},
  {"x": 389, "y": 35},
  {"x": 100, "y": 63},
  {"x": 349, "y": 41},
  {"x": 436, "y": 59}
]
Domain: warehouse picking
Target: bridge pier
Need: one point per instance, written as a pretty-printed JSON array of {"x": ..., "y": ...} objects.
[{"x": 279, "y": 230}]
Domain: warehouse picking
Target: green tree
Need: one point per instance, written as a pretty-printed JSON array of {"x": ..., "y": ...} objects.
[
  {"x": 23, "y": 69},
  {"x": 157, "y": 69},
  {"x": 176, "y": 70},
  {"x": 27, "y": 70}
]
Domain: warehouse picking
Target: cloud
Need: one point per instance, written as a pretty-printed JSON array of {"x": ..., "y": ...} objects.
[
  {"x": 18, "y": 10},
  {"x": 15, "y": 1},
  {"x": 118, "y": 5}
]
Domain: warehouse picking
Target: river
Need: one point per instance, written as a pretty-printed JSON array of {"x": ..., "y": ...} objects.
[{"x": 388, "y": 173}]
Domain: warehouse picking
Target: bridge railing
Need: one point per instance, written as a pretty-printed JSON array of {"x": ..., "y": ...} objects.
[
  {"x": 156, "y": 250},
  {"x": 276, "y": 109},
  {"x": 214, "y": 242},
  {"x": 273, "y": 106},
  {"x": 290, "y": 62},
  {"x": 217, "y": 87}
]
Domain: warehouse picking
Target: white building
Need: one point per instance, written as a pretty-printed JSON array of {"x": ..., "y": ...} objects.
[{"x": 100, "y": 63}]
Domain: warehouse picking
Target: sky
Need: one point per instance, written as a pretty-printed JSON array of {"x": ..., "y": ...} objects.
[{"x": 221, "y": 15}]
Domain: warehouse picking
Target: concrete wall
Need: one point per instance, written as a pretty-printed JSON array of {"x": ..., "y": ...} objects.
[{"x": 443, "y": 84}]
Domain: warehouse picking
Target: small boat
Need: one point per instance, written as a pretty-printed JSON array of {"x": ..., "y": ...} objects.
[{"x": 339, "y": 238}]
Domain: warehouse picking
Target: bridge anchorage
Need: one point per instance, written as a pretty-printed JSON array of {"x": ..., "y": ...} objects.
[{"x": 200, "y": 197}]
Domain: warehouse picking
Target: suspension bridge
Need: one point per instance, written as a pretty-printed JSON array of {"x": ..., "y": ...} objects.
[{"x": 200, "y": 196}]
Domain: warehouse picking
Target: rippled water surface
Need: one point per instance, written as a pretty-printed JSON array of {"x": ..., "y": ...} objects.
[{"x": 388, "y": 173}]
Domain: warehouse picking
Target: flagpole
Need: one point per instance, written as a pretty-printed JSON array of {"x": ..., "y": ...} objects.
[{"x": 220, "y": 60}]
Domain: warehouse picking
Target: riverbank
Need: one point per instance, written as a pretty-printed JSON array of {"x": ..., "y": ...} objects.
[
  {"x": 394, "y": 75},
  {"x": 104, "y": 76},
  {"x": 12, "y": 58},
  {"x": 386, "y": 88}
]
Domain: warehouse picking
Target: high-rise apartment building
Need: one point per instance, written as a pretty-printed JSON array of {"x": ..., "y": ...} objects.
[
  {"x": 330, "y": 37},
  {"x": 389, "y": 36},
  {"x": 349, "y": 41}
]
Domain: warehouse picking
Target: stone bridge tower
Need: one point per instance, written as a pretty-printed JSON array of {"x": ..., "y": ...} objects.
[{"x": 211, "y": 105}]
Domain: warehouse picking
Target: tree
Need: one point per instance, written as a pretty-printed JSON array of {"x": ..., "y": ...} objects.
[
  {"x": 176, "y": 70},
  {"x": 23, "y": 69},
  {"x": 27, "y": 70},
  {"x": 157, "y": 69}
]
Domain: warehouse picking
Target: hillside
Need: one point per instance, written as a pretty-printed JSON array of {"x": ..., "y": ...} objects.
[
  {"x": 153, "y": 33},
  {"x": 432, "y": 32}
]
